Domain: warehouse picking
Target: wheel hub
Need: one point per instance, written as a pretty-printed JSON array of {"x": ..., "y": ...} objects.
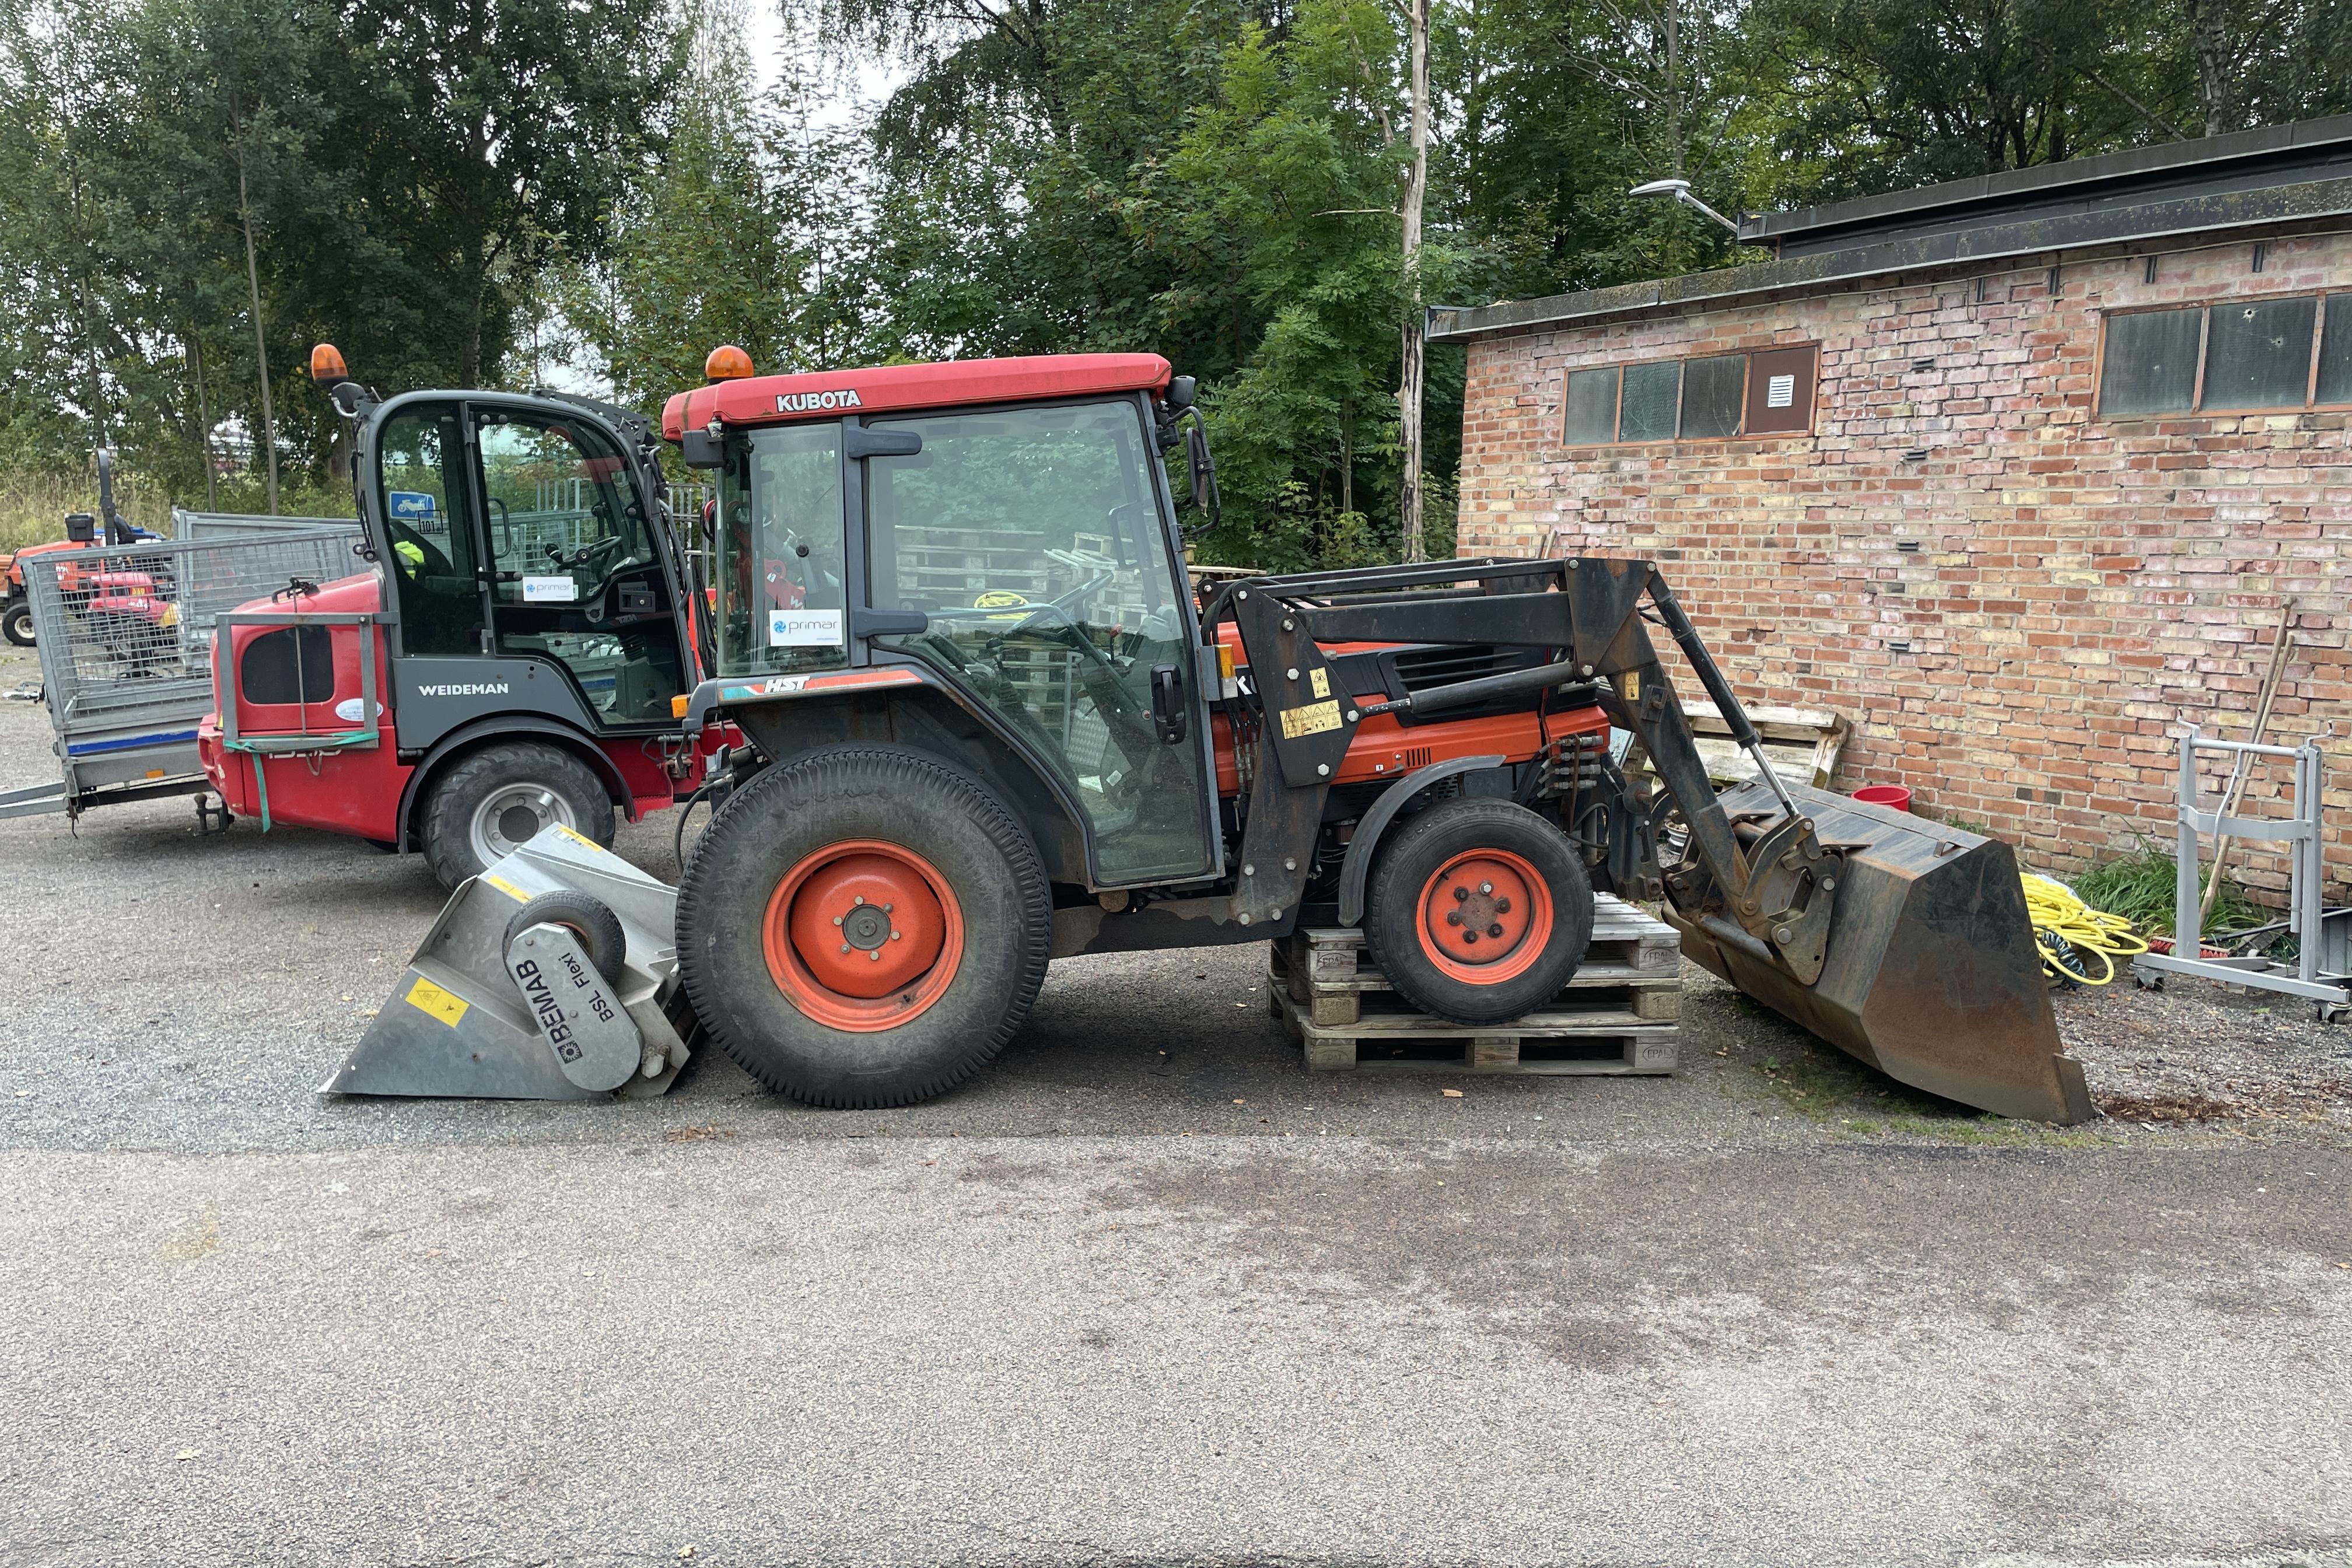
[
  {"x": 865, "y": 928},
  {"x": 1481, "y": 907},
  {"x": 513, "y": 814},
  {"x": 862, "y": 935}
]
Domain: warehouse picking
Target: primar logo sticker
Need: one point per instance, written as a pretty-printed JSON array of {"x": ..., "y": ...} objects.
[{"x": 804, "y": 628}]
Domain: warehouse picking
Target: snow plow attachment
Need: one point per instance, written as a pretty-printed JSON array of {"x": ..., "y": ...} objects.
[
  {"x": 552, "y": 975},
  {"x": 1928, "y": 972}
]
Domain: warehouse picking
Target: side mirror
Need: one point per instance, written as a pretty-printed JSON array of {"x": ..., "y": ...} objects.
[
  {"x": 1181, "y": 392},
  {"x": 81, "y": 528},
  {"x": 701, "y": 449},
  {"x": 1203, "y": 470}
]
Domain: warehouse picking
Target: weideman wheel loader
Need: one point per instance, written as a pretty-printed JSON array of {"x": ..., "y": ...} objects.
[
  {"x": 504, "y": 660},
  {"x": 990, "y": 724}
]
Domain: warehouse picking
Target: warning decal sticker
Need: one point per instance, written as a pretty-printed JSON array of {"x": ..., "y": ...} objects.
[
  {"x": 1313, "y": 718},
  {"x": 430, "y": 999},
  {"x": 1320, "y": 679}
]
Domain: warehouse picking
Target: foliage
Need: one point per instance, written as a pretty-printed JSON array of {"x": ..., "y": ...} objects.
[
  {"x": 193, "y": 190},
  {"x": 190, "y": 189},
  {"x": 2142, "y": 886}
]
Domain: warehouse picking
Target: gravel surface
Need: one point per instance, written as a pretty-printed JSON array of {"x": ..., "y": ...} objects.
[{"x": 1144, "y": 1291}]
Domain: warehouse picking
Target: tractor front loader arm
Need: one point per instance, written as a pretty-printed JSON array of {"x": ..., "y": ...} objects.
[
  {"x": 1903, "y": 941},
  {"x": 1780, "y": 891}
]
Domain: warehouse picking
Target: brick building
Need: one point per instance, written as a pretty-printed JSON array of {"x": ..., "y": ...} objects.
[{"x": 2017, "y": 472}]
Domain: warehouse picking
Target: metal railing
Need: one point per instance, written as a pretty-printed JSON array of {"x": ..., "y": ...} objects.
[{"x": 121, "y": 630}]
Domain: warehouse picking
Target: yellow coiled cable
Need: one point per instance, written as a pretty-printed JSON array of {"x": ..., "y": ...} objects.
[{"x": 2076, "y": 942}]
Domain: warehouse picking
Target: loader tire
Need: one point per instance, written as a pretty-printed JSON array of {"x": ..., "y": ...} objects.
[
  {"x": 1479, "y": 910},
  {"x": 864, "y": 927},
  {"x": 585, "y": 916},
  {"x": 494, "y": 799},
  {"x": 16, "y": 623}
]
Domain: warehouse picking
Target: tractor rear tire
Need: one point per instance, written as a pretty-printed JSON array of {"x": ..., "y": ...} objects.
[
  {"x": 16, "y": 624},
  {"x": 864, "y": 927},
  {"x": 497, "y": 798},
  {"x": 1479, "y": 910}
]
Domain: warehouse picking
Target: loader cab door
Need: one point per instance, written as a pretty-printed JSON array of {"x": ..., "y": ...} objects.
[
  {"x": 577, "y": 576},
  {"x": 1036, "y": 540},
  {"x": 423, "y": 504}
]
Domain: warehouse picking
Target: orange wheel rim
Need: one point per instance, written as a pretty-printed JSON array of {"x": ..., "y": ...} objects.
[
  {"x": 1485, "y": 916},
  {"x": 862, "y": 935}
]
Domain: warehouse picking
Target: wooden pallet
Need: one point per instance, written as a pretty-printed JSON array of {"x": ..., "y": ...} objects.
[
  {"x": 1329, "y": 970},
  {"x": 1618, "y": 1014}
]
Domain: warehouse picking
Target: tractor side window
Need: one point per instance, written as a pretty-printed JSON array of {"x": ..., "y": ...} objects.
[
  {"x": 1033, "y": 540},
  {"x": 420, "y": 481},
  {"x": 784, "y": 605}
]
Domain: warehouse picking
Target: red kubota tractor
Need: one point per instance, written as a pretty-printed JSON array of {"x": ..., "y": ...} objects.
[
  {"x": 512, "y": 657},
  {"x": 991, "y": 724}
]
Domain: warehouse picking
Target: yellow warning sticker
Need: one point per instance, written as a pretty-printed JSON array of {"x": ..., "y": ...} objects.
[
  {"x": 429, "y": 998},
  {"x": 1632, "y": 686},
  {"x": 576, "y": 837},
  {"x": 503, "y": 885},
  {"x": 1313, "y": 718},
  {"x": 1320, "y": 679}
]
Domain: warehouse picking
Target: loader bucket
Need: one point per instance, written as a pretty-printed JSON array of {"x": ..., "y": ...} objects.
[
  {"x": 457, "y": 1026},
  {"x": 1930, "y": 973}
]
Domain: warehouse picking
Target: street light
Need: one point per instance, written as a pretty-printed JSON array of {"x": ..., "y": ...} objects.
[{"x": 1680, "y": 190}]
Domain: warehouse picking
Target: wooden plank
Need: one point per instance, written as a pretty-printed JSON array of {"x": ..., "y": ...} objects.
[
  {"x": 1591, "y": 976},
  {"x": 1499, "y": 1049}
]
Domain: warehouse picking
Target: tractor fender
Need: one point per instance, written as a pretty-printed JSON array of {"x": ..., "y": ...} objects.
[
  {"x": 501, "y": 727},
  {"x": 927, "y": 715},
  {"x": 1358, "y": 866}
]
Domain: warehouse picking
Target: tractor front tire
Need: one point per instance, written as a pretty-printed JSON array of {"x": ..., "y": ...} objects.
[
  {"x": 16, "y": 624},
  {"x": 864, "y": 927},
  {"x": 493, "y": 801},
  {"x": 1479, "y": 910}
]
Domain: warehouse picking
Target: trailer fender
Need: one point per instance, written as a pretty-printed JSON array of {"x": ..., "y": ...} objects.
[
  {"x": 1358, "y": 866},
  {"x": 501, "y": 727}
]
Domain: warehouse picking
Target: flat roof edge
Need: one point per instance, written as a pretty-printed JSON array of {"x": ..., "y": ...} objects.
[
  {"x": 2217, "y": 213},
  {"x": 2264, "y": 142}
]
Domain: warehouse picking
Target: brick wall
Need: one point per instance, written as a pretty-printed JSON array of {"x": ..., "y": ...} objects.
[{"x": 2072, "y": 591}]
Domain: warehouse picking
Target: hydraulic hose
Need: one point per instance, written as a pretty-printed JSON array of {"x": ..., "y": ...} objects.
[{"x": 2075, "y": 941}]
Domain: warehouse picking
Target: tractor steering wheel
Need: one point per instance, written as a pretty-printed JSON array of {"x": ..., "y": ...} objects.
[{"x": 585, "y": 554}]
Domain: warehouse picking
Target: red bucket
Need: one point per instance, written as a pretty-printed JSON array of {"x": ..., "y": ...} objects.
[{"x": 1894, "y": 796}]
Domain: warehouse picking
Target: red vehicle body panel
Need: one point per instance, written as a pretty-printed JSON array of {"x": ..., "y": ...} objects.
[
  {"x": 16, "y": 562},
  {"x": 1385, "y": 748},
  {"x": 356, "y": 790},
  {"x": 822, "y": 394}
]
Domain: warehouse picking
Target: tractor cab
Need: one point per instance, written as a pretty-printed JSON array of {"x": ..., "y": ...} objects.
[{"x": 1000, "y": 529}]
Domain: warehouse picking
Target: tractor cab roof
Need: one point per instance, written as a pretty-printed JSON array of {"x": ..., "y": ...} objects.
[{"x": 777, "y": 399}]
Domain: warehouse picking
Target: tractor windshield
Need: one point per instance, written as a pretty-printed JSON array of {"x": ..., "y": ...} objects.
[{"x": 782, "y": 602}]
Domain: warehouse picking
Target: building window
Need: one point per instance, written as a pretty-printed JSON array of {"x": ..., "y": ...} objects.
[
  {"x": 2237, "y": 356},
  {"x": 1769, "y": 392}
]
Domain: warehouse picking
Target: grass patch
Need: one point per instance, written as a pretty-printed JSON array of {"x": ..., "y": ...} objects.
[
  {"x": 34, "y": 501},
  {"x": 2140, "y": 888}
]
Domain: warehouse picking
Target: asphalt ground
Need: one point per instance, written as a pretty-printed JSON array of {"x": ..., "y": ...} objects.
[{"x": 1145, "y": 1290}]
